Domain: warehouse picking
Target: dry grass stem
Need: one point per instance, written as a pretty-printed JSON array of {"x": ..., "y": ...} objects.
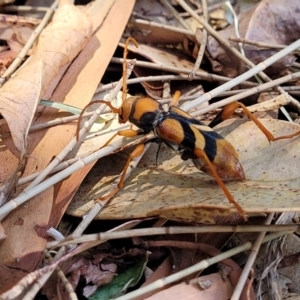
[
  {"x": 248, "y": 92},
  {"x": 257, "y": 44},
  {"x": 170, "y": 230},
  {"x": 143, "y": 79},
  {"x": 250, "y": 261},
  {"x": 202, "y": 43},
  {"x": 204, "y": 75},
  {"x": 25, "y": 8}
]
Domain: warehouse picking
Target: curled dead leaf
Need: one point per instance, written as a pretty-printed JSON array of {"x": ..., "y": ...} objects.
[{"x": 58, "y": 45}]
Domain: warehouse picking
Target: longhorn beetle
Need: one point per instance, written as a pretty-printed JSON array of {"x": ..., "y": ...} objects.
[{"x": 208, "y": 150}]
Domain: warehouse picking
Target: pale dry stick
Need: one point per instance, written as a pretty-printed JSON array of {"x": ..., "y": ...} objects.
[
  {"x": 166, "y": 90},
  {"x": 25, "y": 8},
  {"x": 66, "y": 163},
  {"x": 173, "y": 11},
  {"x": 29, "y": 193},
  {"x": 251, "y": 259},
  {"x": 67, "y": 285},
  {"x": 255, "y": 43},
  {"x": 55, "y": 122},
  {"x": 195, "y": 268},
  {"x": 202, "y": 74},
  {"x": 109, "y": 86},
  {"x": 18, "y": 60},
  {"x": 267, "y": 105},
  {"x": 255, "y": 69},
  {"x": 296, "y": 65},
  {"x": 202, "y": 43},
  {"x": 143, "y": 79},
  {"x": 273, "y": 256},
  {"x": 249, "y": 92},
  {"x": 170, "y": 230},
  {"x": 124, "y": 226},
  {"x": 60, "y": 274},
  {"x": 228, "y": 6}
]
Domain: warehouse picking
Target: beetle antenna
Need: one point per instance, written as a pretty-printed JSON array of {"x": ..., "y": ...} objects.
[{"x": 130, "y": 39}]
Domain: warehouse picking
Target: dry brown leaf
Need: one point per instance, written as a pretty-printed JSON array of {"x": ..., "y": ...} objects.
[
  {"x": 58, "y": 45},
  {"x": 145, "y": 32},
  {"x": 270, "y": 21},
  {"x": 162, "y": 57},
  {"x": 76, "y": 88},
  {"x": 180, "y": 192}
]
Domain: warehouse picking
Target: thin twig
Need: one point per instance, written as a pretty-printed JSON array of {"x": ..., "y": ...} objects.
[
  {"x": 143, "y": 79},
  {"x": 170, "y": 230},
  {"x": 251, "y": 259},
  {"x": 244, "y": 94},
  {"x": 25, "y": 8},
  {"x": 204, "y": 75},
  {"x": 202, "y": 43},
  {"x": 255, "y": 43}
]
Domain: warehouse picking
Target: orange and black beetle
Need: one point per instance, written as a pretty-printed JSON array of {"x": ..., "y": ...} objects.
[{"x": 209, "y": 151}]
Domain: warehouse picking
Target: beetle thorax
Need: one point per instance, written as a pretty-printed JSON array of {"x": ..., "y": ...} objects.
[{"x": 145, "y": 112}]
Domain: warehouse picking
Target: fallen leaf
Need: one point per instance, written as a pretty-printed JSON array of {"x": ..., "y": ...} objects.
[
  {"x": 76, "y": 88},
  {"x": 118, "y": 286},
  {"x": 270, "y": 21},
  {"x": 178, "y": 191},
  {"x": 58, "y": 45}
]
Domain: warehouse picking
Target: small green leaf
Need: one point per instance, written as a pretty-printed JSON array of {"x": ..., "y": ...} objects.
[{"x": 121, "y": 283}]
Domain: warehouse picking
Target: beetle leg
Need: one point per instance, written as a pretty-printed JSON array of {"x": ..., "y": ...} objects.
[
  {"x": 125, "y": 133},
  {"x": 229, "y": 109},
  {"x": 175, "y": 99},
  {"x": 201, "y": 154},
  {"x": 135, "y": 153}
]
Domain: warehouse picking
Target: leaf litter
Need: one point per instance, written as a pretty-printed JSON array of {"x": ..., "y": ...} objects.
[{"x": 177, "y": 190}]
